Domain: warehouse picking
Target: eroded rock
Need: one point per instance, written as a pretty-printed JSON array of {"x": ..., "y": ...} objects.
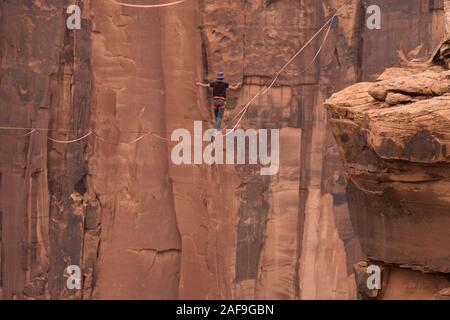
[{"x": 401, "y": 212}]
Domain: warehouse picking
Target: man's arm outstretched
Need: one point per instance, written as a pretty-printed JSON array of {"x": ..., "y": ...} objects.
[
  {"x": 236, "y": 87},
  {"x": 203, "y": 85}
]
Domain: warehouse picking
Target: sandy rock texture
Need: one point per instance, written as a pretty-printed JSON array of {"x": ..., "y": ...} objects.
[
  {"x": 395, "y": 152},
  {"x": 141, "y": 227}
]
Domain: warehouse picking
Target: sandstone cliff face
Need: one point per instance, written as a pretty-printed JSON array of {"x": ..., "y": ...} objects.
[{"x": 141, "y": 227}]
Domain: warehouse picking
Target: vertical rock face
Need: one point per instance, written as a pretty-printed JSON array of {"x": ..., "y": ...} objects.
[
  {"x": 103, "y": 205},
  {"x": 43, "y": 85},
  {"x": 140, "y": 227},
  {"x": 139, "y": 233}
]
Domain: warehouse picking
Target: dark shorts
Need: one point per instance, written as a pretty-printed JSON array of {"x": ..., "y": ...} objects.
[{"x": 220, "y": 103}]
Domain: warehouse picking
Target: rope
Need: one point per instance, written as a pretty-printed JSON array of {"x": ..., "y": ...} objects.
[
  {"x": 267, "y": 88},
  {"x": 93, "y": 133},
  {"x": 66, "y": 130},
  {"x": 159, "y": 137},
  {"x": 120, "y": 143},
  {"x": 318, "y": 51},
  {"x": 301, "y": 72},
  {"x": 244, "y": 111},
  {"x": 130, "y": 5},
  {"x": 30, "y": 133},
  {"x": 71, "y": 141}
]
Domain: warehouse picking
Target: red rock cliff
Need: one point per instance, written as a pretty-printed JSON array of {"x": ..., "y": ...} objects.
[{"x": 141, "y": 227}]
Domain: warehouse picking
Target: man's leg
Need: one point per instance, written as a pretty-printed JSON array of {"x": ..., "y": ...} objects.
[
  {"x": 215, "y": 109},
  {"x": 216, "y": 112},
  {"x": 219, "y": 116}
]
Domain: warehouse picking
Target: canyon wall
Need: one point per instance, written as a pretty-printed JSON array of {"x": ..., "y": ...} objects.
[{"x": 141, "y": 227}]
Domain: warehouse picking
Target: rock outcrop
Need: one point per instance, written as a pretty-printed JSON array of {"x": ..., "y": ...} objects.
[{"x": 394, "y": 137}]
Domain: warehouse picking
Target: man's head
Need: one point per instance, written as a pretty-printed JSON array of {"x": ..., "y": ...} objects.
[{"x": 220, "y": 76}]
